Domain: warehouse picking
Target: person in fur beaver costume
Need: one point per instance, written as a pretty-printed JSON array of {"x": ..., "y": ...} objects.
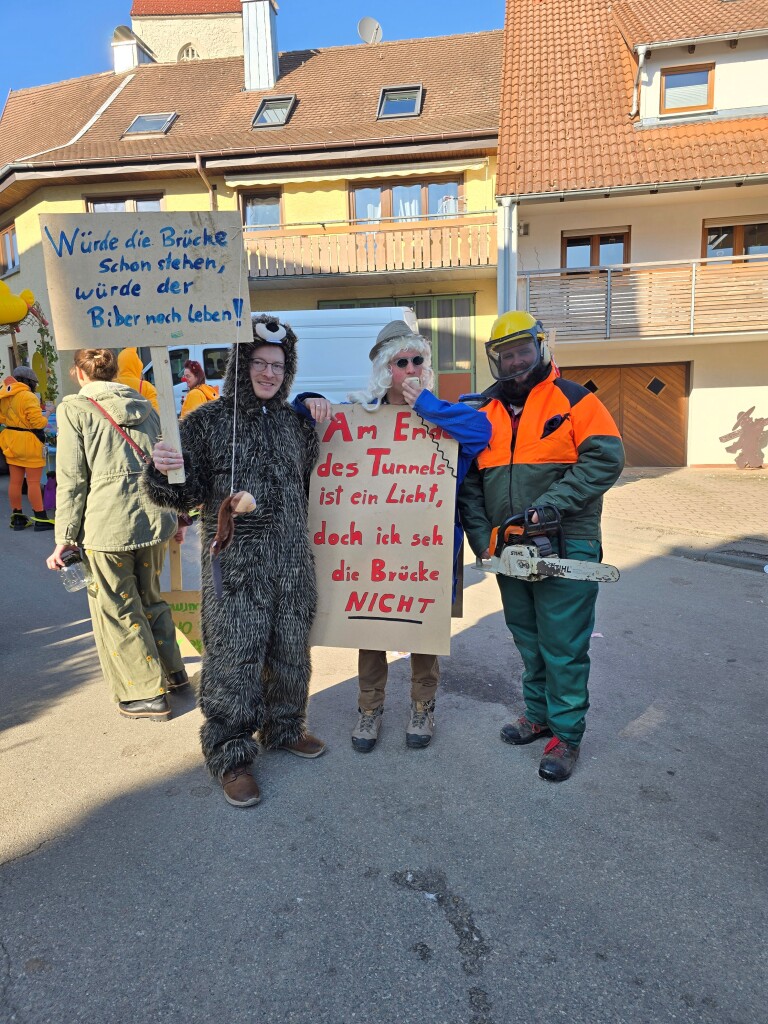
[{"x": 258, "y": 583}]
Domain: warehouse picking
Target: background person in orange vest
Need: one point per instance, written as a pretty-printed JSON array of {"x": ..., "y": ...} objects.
[
  {"x": 199, "y": 391},
  {"x": 552, "y": 443},
  {"x": 129, "y": 371}
]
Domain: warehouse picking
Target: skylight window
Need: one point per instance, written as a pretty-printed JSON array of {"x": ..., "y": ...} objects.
[
  {"x": 400, "y": 101},
  {"x": 151, "y": 124},
  {"x": 274, "y": 111}
]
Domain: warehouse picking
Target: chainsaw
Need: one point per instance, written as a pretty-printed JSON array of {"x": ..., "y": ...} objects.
[{"x": 523, "y": 549}]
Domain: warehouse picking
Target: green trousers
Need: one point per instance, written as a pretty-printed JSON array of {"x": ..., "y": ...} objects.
[
  {"x": 551, "y": 622},
  {"x": 132, "y": 625}
]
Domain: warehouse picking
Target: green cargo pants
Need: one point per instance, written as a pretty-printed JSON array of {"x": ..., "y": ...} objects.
[
  {"x": 551, "y": 622},
  {"x": 132, "y": 625}
]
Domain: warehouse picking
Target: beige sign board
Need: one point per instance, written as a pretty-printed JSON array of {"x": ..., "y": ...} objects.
[
  {"x": 155, "y": 279},
  {"x": 381, "y": 521},
  {"x": 185, "y": 608}
]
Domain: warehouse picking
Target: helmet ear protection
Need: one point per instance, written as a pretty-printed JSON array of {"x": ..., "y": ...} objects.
[{"x": 546, "y": 351}]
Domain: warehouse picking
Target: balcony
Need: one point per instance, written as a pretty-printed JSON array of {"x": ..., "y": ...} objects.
[
  {"x": 464, "y": 245},
  {"x": 640, "y": 301}
]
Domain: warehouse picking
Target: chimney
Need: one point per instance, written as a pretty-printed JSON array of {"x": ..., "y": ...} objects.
[
  {"x": 260, "y": 43},
  {"x": 128, "y": 51}
]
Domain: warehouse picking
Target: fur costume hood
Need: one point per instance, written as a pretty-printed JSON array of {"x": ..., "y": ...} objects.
[{"x": 267, "y": 330}]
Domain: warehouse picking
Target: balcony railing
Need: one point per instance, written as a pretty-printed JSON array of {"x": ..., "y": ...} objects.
[
  {"x": 302, "y": 250},
  {"x": 723, "y": 295}
]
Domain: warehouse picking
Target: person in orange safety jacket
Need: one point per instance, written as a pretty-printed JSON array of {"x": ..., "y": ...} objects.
[{"x": 553, "y": 442}]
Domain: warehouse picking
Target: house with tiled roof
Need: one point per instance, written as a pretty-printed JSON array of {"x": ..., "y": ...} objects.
[
  {"x": 363, "y": 174},
  {"x": 633, "y": 183}
]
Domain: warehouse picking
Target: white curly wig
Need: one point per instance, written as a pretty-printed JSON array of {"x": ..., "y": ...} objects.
[{"x": 381, "y": 371}]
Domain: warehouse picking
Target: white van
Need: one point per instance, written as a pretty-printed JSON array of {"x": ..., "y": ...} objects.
[{"x": 333, "y": 350}]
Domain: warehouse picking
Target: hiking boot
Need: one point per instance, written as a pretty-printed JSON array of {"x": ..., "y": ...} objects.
[
  {"x": 178, "y": 679},
  {"x": 18, "y": 520},
  {"x": 558, "y": 761},
  {"x": 366, "y": 732},
  {"x": 240, "y": 787},
  {"x": 42, "y": 522},
  {"x": 307, "y": 746},
  {"x": 421, "y": 726},
  {"x": 524, "y": 731},
  {"x": 156, "y": 709}
]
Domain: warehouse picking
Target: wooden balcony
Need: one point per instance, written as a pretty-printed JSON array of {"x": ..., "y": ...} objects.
[
  {"x": 463, "y": 243},
  {"x": 637, "y": 301}
]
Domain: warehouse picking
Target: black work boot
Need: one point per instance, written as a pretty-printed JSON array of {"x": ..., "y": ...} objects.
[
  {"x": 156, "y": 709},
  {"x": 178, "y": 679},
  {"x": 524, "y": 731},
  {"x": 18, "y": 520},
  {"x": 42, "y": 522},
  {"x": 558, "y": 761}
]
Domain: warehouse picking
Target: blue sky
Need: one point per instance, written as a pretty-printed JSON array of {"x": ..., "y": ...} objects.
[{"x": 50, "y": 40}]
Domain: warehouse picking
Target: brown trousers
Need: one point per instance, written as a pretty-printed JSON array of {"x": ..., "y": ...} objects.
[{"x": 372, "y": 675}]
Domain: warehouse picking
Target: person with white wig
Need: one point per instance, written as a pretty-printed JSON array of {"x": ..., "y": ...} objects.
[{"x": 401, "y": 374}]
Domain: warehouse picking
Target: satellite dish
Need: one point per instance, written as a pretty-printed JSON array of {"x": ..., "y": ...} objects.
[{"x": 369, "y": 30}]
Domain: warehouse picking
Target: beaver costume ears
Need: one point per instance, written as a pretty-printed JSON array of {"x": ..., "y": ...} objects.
[{"x": 272, "y": 333}]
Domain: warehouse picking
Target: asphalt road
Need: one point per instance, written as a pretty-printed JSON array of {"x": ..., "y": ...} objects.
[{"x": 447, "y": 885}]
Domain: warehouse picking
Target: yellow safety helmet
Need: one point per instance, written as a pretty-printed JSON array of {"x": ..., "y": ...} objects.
[{"x": 516, "y": 325}]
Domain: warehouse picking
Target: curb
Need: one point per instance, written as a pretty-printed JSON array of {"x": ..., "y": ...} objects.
[{"x": 696, "y": 548}]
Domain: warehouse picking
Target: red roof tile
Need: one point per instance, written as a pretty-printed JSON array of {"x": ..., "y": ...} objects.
[
  {"x": 658, "y": 22},
  {"x": 337, "y": 88},
  {"x": 566, "y": 95},
  {"x": 165, "y": 8}
]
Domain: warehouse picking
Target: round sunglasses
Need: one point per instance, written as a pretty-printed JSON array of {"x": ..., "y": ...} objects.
[{"x": 402, "y": 363}]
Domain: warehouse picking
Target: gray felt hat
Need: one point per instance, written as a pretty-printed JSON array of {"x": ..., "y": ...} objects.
[
  {"x": 394, "y": 329},
  {"x": 25, "y": 373}
]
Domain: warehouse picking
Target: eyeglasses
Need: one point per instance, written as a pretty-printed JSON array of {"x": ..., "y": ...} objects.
[
  {"x": 402, "y": 363},
  {"x": 260, "y": 366}
]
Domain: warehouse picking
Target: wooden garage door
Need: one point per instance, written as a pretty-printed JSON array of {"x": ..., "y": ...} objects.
[{"x": 649, "y": 404}]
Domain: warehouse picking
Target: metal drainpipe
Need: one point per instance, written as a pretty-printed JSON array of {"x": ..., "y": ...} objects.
[
  {"x": 506, "y": 272},
  {"x": 211, "y": 188},
  {"x": 642, "y": 53}
]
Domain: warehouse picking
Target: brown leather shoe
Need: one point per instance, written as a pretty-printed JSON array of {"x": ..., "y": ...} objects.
[
  {"x": 307, "y": 746},
  {"x": 240, "y": 787}
]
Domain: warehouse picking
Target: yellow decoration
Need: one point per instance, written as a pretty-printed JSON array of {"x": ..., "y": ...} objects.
[
  {"x": 14, "y": 308},
  {"x": 38, "y": 365}
]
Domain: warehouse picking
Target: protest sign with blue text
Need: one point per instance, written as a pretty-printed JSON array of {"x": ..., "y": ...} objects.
[{"x": 155, "y": 279}]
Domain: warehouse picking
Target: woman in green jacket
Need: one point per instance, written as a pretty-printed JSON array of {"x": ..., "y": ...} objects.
[{"x": 105, "y": 436}]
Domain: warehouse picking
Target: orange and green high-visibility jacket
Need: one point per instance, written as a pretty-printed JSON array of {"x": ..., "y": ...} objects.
[{"x": 567, "y": 452}]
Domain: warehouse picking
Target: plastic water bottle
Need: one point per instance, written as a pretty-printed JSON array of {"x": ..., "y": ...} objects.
[{"x": 73, "y": 575}]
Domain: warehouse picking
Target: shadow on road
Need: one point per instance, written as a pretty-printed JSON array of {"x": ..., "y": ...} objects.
[{"x": 445, "y": 885}]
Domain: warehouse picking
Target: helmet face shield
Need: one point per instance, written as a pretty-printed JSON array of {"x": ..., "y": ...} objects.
[{"x": 513, "y": 358}]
